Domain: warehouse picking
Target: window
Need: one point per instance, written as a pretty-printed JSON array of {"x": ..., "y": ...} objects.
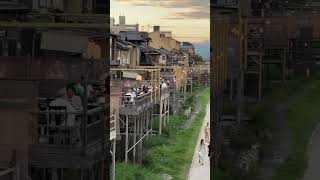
[
  {"x": 162, "y": 36},
  {"x": 163, "y": 57},
  {"x": 12, "y": 47}
]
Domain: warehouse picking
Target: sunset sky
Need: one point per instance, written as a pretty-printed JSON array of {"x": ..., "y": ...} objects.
[{"x": 187, "y": 19}]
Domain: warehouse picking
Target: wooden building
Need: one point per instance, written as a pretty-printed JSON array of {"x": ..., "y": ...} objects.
[{"x": 42, "y": 148}]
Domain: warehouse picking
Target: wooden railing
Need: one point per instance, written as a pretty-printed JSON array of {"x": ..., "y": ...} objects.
[
  {"x": 129, "y": 102},
  {"x": 56, "y": 126}
]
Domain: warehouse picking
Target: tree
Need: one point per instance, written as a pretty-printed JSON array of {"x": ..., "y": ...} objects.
[{"x": 198, "y": 59}]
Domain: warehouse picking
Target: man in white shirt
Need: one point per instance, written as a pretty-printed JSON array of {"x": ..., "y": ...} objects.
[
  {"x": 70, "y": 122},
  {"x": 62, "y": 102},
  {"x": 73, "y": 99}
]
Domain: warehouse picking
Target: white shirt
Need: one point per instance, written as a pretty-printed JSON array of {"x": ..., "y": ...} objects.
[
  {"x": 75, "y": 102},
  {"x": 70, "y": 109}
]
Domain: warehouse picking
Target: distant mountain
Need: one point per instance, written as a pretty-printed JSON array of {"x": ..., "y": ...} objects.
[{"x": 203, "y": 48}]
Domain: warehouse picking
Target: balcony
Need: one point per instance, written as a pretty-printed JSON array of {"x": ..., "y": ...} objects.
[
  {"x": 135, "y": 105},
  {"x": 68, "y": 139}
]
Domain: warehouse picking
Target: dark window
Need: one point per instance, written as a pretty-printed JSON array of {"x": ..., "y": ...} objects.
[{"x": 12, "y": 47}]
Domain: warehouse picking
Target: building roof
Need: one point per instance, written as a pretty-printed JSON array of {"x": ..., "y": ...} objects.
[
  {"x": 186, "y": 44},
  {"x": 134, "y": 36}
]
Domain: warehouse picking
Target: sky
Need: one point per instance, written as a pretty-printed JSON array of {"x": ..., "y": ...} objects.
[{"x": 189, "y": 20}]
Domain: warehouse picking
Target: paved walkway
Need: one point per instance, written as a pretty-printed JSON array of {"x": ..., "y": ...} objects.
[
  {"x": 197, "y": 171},
  {"x": 312, "y": 171}
]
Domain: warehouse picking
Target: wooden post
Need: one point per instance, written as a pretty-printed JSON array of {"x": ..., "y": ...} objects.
[
  {"x": 160, "y": 120},
  {"x": 82, "y": 174},
  {"x": 134, "y": 139},
  {"x": 231, "y": 89},
  {"x": 140, "y": 144},
  {"x": 147, "y": 119},
  {"x": 54, "y": 174},
  {"x": 139, "y": 135},
  {"x": 284, "y": 71},
  {"x": 185, "y": 92},
  {"x": 114, "y": 160},
  {"x": 168, "y": 103},
  {"x": 127, "y": 139},
  {"x": 163, "y": 104},
  {"x": 260, "y": 78}
]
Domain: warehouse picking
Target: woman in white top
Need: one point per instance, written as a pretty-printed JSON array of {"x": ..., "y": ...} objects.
[{"x": 202, "y": 151}]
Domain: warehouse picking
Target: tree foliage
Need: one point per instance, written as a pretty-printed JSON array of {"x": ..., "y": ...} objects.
[{"x": 198, "y": 59}]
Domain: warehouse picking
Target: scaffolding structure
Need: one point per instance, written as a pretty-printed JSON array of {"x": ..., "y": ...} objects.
[
  {"x": 178, "y": 87},
  {"x": 136, "y": 115}
]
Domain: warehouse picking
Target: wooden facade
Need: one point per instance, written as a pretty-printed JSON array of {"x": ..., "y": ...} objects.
[{"x": 48, "y": 150}]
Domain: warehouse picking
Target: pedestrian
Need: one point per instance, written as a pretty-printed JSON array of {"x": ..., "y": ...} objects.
[
  {"x": 202, "y": 151},
  {"x": 207, "y": 132}
]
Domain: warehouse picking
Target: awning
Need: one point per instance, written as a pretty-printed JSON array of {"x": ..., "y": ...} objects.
[
  {"x": 67, "y": 42},
  {"x": 131, "y": 75}
]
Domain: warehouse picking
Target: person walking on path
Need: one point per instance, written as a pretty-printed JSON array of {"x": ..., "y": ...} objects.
[
  {"x": 202, "y": 152},
  {"x": 207, "y": 132}
]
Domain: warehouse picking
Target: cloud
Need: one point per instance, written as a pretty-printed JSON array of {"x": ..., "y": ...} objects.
[
  {"x": 168, "y": 3},
  {"x": 199, "y": 13},
  {"x": 191, "y": 9}
]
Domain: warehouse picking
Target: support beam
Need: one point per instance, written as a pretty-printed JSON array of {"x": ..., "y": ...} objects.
[
  {"x": 138, "y": 133},
  {"x": 134, "y": 139},
  {"x": 127, "y": 139},
  {"x": 260, "y": 79},
  {"x": 160, "y": 121},
  {"x": 231, "y": 89},
  {"x": 114, "y": 160},
  {"x": 140, "y": 137}
]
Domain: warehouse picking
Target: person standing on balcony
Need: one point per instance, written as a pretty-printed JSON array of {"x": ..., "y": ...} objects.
[
  {"x": 76, "y": 103},
  {"x": 61, "y": 101},
  {"x": 74, "y": 99}
]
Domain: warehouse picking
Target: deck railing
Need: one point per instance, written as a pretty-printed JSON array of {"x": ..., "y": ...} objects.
[
  {"x": 129, "y": 102},
  {"x": 56, "y": 126}
]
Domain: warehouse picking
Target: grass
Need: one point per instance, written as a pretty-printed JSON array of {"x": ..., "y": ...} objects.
[
  {"x": 174, "y": 157},
  {"x": 172, "y": 152},
  {"x": 302, "y": 117},
  {"x": 260, "y": 128},
  {"x": 134, "y": 172}
]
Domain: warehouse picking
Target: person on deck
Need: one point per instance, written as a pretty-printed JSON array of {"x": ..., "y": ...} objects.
[
  {"x": 74, "y": 99},
  {"x": 70, "y": 121}
]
